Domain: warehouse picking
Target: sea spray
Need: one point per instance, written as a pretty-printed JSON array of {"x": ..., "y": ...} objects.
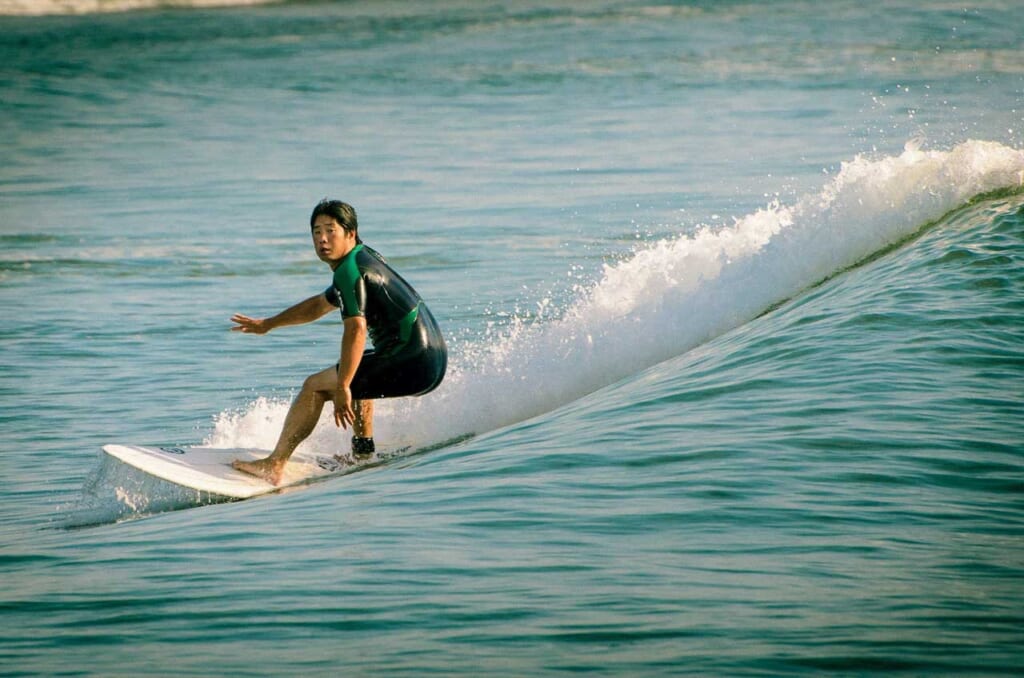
[
  {"x": 256, "y": 426},
  {"x": 672, "y": 295}
]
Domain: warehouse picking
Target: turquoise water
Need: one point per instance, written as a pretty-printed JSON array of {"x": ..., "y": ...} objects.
[{"x": 733, "y": 293}]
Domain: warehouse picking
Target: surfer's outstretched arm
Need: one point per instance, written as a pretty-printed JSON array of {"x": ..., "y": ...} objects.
[{"x": 303, "y": 312}]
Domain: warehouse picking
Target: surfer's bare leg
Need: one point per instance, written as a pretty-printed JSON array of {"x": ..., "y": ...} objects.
[
  {"x": 363, "y": 424},
  {"x": 302, "y": 418}
]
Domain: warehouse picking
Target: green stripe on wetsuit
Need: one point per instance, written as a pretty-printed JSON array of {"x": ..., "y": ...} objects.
[
  {"x": 345, "y": 278},
  {"x": 406, "y": 325}
]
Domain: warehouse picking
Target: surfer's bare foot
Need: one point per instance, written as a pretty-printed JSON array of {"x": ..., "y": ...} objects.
[{"x": 267, "y": 469}]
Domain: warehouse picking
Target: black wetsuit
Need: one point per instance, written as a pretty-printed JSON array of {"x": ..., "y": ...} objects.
[{"x": 409, "y": 356}]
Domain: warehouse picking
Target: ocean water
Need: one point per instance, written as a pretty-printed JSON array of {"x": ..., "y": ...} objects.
[{"x": 733, "y": 293}]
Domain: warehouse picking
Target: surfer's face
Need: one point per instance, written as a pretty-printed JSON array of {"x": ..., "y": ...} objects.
[{"x": 332, "y": 242}]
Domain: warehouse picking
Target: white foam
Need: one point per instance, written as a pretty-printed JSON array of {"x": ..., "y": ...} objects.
[
  {"x": 673, "y": 295},
  {"x": 254, "y": 427}
]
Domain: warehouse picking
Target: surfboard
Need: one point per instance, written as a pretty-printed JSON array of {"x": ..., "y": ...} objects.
[
  {"x": 208, "y": 470},
  {"x": 139, "y": 480}
]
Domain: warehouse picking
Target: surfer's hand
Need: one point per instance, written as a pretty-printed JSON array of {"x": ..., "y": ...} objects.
[
  {"x": 344, "y": 415},
  {"x": 244, "y": 323}
]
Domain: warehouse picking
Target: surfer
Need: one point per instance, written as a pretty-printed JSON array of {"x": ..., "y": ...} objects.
[{"x": 408, "y": 355}]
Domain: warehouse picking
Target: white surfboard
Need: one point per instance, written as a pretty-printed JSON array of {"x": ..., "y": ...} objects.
[
  {"x": 139, "y": 480},
  {"x": 208, "y": 470}
]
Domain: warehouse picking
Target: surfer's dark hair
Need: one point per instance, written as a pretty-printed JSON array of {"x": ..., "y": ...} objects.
[{"x": 340, "y": 211}]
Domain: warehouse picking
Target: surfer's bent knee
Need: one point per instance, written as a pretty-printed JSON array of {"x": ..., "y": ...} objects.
[{"x": 324, "y": 381}]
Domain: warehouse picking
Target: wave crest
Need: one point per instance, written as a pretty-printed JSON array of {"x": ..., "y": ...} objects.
[{"x": 677, "y": 293}]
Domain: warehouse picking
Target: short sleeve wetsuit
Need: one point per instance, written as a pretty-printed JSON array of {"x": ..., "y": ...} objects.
[{"x": 409, "y": 356}]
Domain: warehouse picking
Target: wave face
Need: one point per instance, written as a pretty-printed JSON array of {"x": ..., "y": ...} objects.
[
  {"x": 859, "y": 441},
  {"x": 675, "y": 294}
]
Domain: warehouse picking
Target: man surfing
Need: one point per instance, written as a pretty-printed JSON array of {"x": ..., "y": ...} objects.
[{"x": 408, "y": 357}]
